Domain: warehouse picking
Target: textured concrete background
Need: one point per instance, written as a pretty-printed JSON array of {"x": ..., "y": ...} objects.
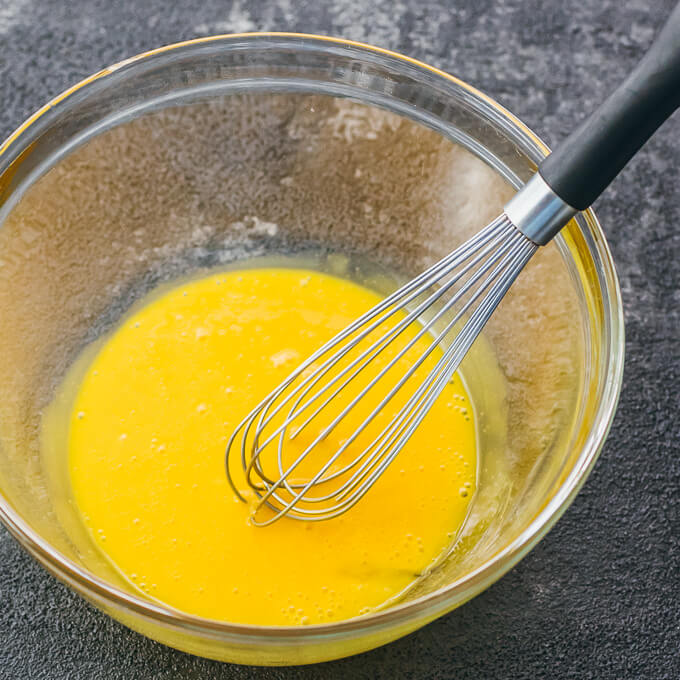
[{"x": 600, "y": 596}]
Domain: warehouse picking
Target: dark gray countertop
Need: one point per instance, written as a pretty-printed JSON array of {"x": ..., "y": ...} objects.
[{"x": 600, "y": 596}]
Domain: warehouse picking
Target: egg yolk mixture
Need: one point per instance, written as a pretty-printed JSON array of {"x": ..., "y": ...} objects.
[{"x": 146, "y": 444}]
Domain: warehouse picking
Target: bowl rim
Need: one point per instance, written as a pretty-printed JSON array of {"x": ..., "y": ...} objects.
[{"x": 424, "y": 607}]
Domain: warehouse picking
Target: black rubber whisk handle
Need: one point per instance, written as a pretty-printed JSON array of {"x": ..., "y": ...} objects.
[{"x": 582, "y": 167}]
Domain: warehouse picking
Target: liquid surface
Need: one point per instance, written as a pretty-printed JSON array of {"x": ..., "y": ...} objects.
[{"x": 146, "y": 440}]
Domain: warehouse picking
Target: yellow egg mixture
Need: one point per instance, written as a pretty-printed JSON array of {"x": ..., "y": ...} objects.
[{"x": 146, "y": 444}]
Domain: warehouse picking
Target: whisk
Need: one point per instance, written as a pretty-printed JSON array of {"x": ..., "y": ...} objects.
[{"x": 448, "y": 304}]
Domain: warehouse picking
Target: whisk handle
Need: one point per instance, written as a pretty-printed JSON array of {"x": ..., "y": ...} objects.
[{"x": 582, "y": 167}]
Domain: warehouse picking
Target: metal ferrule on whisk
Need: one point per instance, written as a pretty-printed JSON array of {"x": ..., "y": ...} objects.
[{"x": 537, "y": 211}]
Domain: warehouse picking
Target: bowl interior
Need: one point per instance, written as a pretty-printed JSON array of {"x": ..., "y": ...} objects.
[{"x": 352, "y": 162}]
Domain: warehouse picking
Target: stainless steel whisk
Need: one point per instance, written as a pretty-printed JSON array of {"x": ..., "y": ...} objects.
[{"x": 448, "y": 304}]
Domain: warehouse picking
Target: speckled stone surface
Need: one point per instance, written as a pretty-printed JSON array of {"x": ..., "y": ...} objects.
[{"x": 600, "y": 596}]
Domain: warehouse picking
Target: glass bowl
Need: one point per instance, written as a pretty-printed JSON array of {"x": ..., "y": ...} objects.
[{"x": 339, "y": 155}]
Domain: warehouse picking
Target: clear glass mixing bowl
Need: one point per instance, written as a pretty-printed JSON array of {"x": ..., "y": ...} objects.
[{"x": 357, "y": 160}]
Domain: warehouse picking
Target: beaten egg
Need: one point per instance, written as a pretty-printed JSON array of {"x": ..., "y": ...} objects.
[{"x": 147, "y": 429}]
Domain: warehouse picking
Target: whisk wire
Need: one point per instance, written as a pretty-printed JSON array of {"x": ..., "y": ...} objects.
[
  {"x": 363, "y": 359},
  {"x": 480, "y": 271},
  {"x": 421, "y": 282},
  {"x": 425, "y": 328},
  {"x": 411, "y": 415}
]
